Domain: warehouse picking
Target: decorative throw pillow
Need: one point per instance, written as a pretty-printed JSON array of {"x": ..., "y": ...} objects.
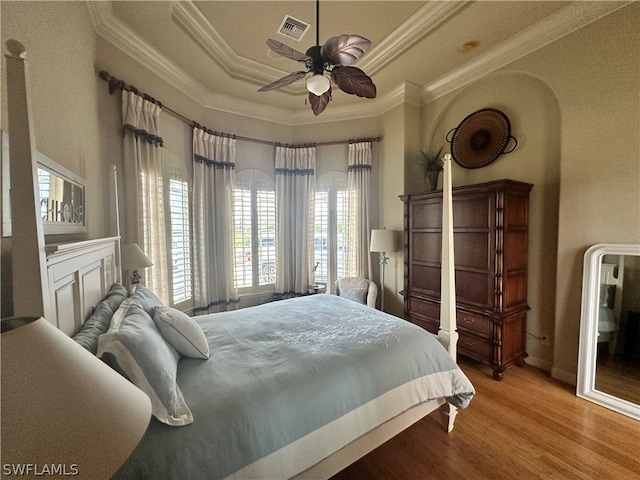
[
  {"x": 144, "y": 297},
  {"x": 134, "y": 346},
  {"x": 354, "y": 294},
  {"x": 182, "y": 332},
  {"x": 100, "y": 318}
]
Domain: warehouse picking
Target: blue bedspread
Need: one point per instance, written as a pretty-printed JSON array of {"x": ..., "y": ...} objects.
[{"x": 279, "y": 371}]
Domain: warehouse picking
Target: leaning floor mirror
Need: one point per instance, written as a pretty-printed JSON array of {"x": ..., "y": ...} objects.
[{"x": 609, "y": 353}]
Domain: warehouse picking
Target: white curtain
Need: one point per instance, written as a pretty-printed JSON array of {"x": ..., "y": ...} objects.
[
  {"x": 213, "y": 185},
  {"x": 144, "y": 209},
  {"x": 358, "y": 228},
  {"x": 295, "y": 190}
]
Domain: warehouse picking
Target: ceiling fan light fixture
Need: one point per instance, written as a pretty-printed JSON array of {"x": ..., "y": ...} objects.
[{"x": 318, "y": 84}]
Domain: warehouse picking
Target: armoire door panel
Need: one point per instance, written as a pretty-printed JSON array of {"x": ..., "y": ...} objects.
[
  {"x": 471, "y": 250},
  {"x": 427, "y": 247},
  {"x": 474, "y": 288},
  {"x": 427, "y": 215},
  {"x": 426, "y": 279},
  {"x": 472, "y": 212}
]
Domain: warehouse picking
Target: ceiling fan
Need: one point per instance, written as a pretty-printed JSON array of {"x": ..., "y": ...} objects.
[{"x": 323, "y": 63}]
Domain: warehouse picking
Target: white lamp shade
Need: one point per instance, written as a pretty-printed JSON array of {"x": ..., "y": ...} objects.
[
  {"x": 63, "y": 406},
  {"x": 318, "y": 84},
  {"x": 134, "y": 258},
  {"x": 383, "y": 241}
]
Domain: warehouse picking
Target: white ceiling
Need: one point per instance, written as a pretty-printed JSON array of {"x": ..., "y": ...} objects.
[{"x": 215, "y": 51}]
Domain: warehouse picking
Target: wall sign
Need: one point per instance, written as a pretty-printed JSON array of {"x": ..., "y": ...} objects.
[{"x": 61, "y": 192}]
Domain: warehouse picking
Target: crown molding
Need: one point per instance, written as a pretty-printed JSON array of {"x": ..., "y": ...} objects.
[
  {"x": 426, "y": 19},
  {"x": 193, "y": 23},
  {"x": 191, "y": 20},
  {"x": 557, "y": 25},
  {"x": 554, "y": 27},
  {"x": 109, "y": 27}
]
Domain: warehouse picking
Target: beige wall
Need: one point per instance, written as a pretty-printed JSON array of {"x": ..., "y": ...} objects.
[
  {"x": 534, "y": 115},
  {"x": 573, "y": 106},
  {"x": 574, "y": 109},
  {"x": 60, "y": 44}
]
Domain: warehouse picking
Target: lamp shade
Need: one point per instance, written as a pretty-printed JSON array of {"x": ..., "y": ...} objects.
[
  {"x": 63, "y": 409},
  {"x": 134, "y": 258},
  {"x": 318, "y": 84},
  {"x": 383, "y": 241}
]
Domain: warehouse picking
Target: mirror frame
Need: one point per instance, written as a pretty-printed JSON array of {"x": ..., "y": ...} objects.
[
  {"x": 589, "y": 332},
  {"x": 54, "y": 168}
]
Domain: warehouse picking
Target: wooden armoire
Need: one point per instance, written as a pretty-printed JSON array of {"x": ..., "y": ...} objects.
[{"x": 490, "y": 223}]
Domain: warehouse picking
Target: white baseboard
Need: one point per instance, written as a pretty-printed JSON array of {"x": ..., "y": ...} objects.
[
  {"x": 556, "y": 373},
  {"x": 539, "y": 363},
  {"x": 563, "y": 376}
]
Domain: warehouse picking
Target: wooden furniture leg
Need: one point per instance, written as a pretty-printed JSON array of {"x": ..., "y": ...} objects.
[{"x": 448, "y": 414}]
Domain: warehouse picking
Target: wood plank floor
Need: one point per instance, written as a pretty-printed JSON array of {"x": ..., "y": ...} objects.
[
  {"x": 618, "y": 376},
  {"x": 527, "y": 426}
]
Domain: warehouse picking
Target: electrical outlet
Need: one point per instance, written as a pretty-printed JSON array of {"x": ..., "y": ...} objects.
[{"x": 544, "y": 340}]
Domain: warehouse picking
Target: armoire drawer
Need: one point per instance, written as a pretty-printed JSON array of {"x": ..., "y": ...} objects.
[
  {"x": 426, "y": 309},
  {"x": 477, "y": 324},
  {"x": 475, "y": 346},
  {"x": 429, "y": 326}
]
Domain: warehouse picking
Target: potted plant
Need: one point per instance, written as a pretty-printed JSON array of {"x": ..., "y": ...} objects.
[{"x": 430, "y": 161}]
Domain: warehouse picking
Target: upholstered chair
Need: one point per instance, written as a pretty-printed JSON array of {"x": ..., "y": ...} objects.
[{"x": 358, "y": 289}]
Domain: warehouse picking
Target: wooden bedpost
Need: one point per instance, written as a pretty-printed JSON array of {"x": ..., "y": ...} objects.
[
  {"x": 448, "y": 333},
  {"x": 29, "y": 261}
]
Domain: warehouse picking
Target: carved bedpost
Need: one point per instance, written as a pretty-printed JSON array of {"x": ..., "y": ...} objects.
[
  {"x": 447, "y": 334},
  {"x": 29, "y": 270}
]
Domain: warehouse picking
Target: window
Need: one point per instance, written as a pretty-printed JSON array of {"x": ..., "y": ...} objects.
[
  {"x": 330, "y": 228},
  {"x": 254, "y": 218},
  {"x": 180, "y": 240},
  {"x": 177, "y": 200}
]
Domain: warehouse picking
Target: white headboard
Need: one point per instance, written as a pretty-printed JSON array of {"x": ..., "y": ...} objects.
[{"x": 79, "y": 275}]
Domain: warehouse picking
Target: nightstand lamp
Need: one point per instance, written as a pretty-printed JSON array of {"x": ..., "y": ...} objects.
[
  {"x": 64, "y": 411},
  {"x": 133, "y": 259}
]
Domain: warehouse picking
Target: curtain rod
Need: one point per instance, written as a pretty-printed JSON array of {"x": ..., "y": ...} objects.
[{"x": 117, "y": 84}]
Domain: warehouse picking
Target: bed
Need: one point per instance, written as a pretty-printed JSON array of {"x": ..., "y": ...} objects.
[
  {"x": 293, "y": 388},
  {"x": 290, "y": 382}
]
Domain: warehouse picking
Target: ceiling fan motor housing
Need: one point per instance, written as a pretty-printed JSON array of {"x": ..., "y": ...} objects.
[{"x": 316, "y": 63}]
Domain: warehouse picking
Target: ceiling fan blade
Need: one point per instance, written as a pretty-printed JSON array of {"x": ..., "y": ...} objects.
[
  {"x": 345, "y": 49},
  {"x": 319, "y": 102},
  {"x": 284, "y": 81},
  {"x": 354, "y": 81},
  {"x": 286, "y": 51}
]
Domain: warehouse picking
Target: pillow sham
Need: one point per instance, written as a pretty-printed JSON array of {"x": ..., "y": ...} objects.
[
  {"x": 134, "y": 346},
  {"x": 181, "y": 331},
  {"x": 144, "y": 297},
  {"x": 100, "y": 318}
]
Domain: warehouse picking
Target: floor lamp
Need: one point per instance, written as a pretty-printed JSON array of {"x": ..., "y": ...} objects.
[{"x": 383, "y": 241}]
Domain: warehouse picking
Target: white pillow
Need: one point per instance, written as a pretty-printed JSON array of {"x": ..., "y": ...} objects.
[
  {"x": 181, "y": 331},
  {"x": 134, "y": 346}
]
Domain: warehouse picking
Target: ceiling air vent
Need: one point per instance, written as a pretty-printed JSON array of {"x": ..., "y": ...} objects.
[{"x": 293, "y": 28}]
